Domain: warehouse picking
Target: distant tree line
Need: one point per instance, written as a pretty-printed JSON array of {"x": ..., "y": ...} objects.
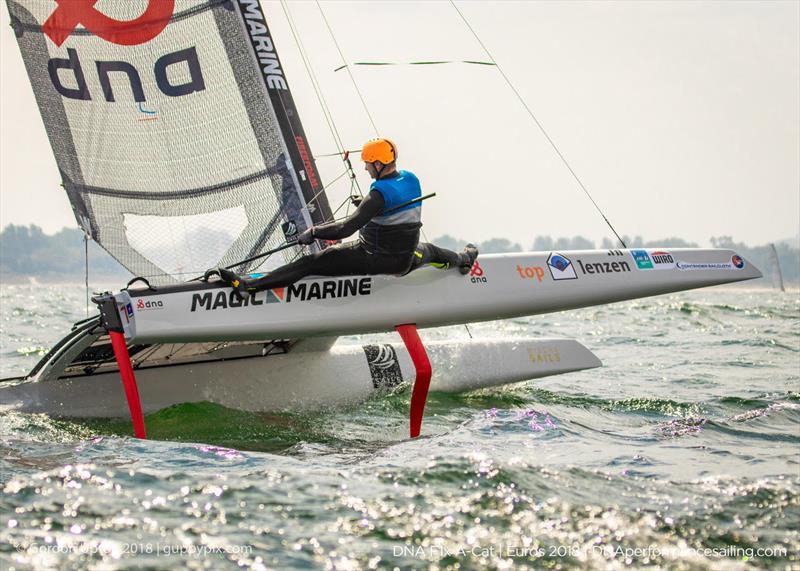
[{"x": 28, "y": 251}]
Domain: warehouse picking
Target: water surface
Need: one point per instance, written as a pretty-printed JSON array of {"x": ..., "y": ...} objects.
[{"x": 683, "y": 451}]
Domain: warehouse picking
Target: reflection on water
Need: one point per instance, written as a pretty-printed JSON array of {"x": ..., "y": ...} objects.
[{"x": 681, "y": 452}]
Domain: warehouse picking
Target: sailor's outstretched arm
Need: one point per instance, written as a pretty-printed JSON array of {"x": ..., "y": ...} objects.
[{"x": 371, "y": 206}]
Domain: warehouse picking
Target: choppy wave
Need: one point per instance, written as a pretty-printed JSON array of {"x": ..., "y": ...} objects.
[{"x": 683, "y": 451}]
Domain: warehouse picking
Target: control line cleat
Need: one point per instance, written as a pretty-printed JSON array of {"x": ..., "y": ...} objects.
[{"x": 466, "y": 259}]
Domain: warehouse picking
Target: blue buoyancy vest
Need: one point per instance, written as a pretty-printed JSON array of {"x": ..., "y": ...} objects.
[
  {"x": 396, "y": 230},
  {"x": 396, "y": 191}
]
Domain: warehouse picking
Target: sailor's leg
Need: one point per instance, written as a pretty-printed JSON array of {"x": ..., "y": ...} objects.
[
  {"x": 427, "y": 253},
  {"x": 282, "y": 276},
  {"x": 342, "y": 260}
]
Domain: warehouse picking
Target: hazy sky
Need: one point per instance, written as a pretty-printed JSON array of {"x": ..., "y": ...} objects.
[{"x": 682, "y": 118}]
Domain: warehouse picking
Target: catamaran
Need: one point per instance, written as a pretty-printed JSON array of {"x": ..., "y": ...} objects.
[{"x": 181, "y": 149}]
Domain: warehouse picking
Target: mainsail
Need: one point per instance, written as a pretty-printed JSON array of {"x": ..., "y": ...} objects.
[{"x": 173, "y": 127}]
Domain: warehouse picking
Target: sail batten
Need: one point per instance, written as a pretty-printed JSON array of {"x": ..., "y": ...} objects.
[
  {"x": 178, "y": 141},
  {"x": 178, "y": 194}
]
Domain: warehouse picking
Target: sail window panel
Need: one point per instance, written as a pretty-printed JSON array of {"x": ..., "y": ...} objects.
[
  {"x": 183, "y": 245},
  {"x": 263, "y": 219}
]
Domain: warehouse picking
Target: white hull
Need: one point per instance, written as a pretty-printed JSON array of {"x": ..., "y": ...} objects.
[
  {"x": 300, "y": 380},
  {"x": 196, "y": 343},
  {"x": 503, "y": 286}
]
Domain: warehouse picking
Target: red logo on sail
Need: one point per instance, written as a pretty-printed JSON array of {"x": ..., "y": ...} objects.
[{"x": 70, "y": 13}]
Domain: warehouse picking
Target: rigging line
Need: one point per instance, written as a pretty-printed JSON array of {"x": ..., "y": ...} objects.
[
  {"x": 344, "y": 61},
  {"x": 538, "y": 124},
  {"x": 300, "y": 251},
  {"x": 350, "y": 200},
  {"x": 390, "y": 63},
  {"x": 325, "y": 186},
  {"x": 139, "y": 359},
  {"x": 336, "y": 179},
  {"x": 326, "y": 111},
  {"x": 175, "y": 348},
  {"x": 424, "y": 236},
  {"x": 86, "y": 273},
  {"x": 345, "y": 201},
  {"x": 353, "y": 177},
  {"x": 337, "y": 154},
  {"x": 314, "y": 83}
]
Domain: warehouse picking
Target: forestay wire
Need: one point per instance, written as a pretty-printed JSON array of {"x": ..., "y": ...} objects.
[
  {"x": 344, "y": 61},
  {"x": 538, "y": 124},
  {"x": 360, "y": 96},
  {"x": 353, "y": 79}
]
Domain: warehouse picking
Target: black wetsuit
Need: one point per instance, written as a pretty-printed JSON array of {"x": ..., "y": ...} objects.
[
  {"x": 427, "y": 253},
  {"x": 375, "y": 252},
  {"x": 380, "y": 249}
]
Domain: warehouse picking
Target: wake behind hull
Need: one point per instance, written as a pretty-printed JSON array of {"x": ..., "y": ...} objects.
[{"x": 499, "y": 286}]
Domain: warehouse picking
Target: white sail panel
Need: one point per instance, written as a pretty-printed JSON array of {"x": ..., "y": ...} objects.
[
  {"x": 160, "y": 110},
  {"x": 201, "y": 239}
]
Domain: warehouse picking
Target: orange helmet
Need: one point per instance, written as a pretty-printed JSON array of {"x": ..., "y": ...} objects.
[{"x": 381, "y": 150}]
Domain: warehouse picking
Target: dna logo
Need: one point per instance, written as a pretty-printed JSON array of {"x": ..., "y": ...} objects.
[
  {"x": 70, "y": 13},
  {"x": 476, "y": 274}
]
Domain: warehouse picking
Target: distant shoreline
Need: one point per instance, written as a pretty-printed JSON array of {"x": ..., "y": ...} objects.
[
  {"x": 29, "y": 256},
  {"x": 61, "y": 279}
]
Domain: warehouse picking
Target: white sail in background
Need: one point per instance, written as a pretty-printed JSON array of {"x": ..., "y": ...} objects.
[{"x": 777, "y": 274}]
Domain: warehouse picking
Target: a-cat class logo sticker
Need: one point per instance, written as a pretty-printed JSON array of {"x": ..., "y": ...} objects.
[{"x": 70, "y": 13}]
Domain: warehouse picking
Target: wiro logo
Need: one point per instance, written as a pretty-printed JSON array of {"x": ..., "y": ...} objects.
[{"x": 70, "y": 13}]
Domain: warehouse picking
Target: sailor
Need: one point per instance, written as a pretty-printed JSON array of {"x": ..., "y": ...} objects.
[{"x": 388, "y": 228}]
